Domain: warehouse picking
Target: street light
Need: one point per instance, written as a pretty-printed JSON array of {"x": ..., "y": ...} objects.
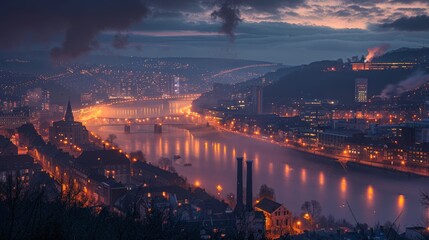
[{"x": 307, "y": 216}]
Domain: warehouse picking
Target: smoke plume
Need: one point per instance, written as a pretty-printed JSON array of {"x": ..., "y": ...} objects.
[
  {"x": 414, "y": 81},
  {"x": 376, "y": 52},
  {"x": 78, "y": 21},
  {"x": 229, "y": 13}
]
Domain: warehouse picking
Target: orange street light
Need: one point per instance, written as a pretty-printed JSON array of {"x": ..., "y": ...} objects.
[{"x": 307, "y": 216}]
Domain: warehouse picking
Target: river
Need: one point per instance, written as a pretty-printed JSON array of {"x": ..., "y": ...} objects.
[{"x": 375, "y": 196}]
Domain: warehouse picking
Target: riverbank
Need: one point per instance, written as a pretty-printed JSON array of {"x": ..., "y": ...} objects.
[
  {"x": 212, "y": 153},
  {"x": 345, "y": 162}
]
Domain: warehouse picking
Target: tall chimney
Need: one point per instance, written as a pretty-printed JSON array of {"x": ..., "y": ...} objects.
[
  {"x": 249, "y": 191},
  {"x": 239, "y": 207}
]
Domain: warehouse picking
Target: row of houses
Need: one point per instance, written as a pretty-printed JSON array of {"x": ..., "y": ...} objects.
[
  {"x": 356, "y": 145},
  {"x": 90, "y": 176}
]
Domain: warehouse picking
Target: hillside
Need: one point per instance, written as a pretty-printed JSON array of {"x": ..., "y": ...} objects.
[
  {"x": 420, "y": 55},
  {"x": 313, "y": 81},
  {"x": 331, "y": 85}
]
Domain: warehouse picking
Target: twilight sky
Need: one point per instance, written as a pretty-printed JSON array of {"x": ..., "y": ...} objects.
[{"x": 286, "y": 31}]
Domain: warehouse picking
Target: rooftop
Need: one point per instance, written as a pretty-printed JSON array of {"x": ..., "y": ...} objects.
[
  {"x": 105, "y": 157},
  {"x": 268, "y": 205}
]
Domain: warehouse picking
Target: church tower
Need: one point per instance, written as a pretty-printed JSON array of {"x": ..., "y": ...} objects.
[{"x": 69, "y": 114}]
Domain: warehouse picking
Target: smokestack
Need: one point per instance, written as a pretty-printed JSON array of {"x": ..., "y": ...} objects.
[
  {"x": 239, "y": 207},
  {"x": 249, "y": 192}
]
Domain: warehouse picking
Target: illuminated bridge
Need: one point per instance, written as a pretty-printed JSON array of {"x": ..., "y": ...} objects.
[{"x": 157, "y": 122}]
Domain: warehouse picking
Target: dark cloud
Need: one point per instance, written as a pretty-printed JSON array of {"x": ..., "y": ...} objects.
[
  {"x": 366, "y": 11},
  {"x": 120, "y": 41},
  {"x": 276, "y": 41},
  {"x": 78, "y": 21},
  {"x": 417, "y": 23},
  {"x": 409, "y": 1},
  {"x": 228, "y": 11},
  {"x": 272, "y": 6},
  {"x": 176, "y": 5},
  {"x": 343, "y": 13},
  {"x": 229, "y": 14},
  {"x": 365, "y": 2}
]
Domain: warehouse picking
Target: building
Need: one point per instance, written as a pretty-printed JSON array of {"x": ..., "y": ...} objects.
[
  {"x": 421, "y": 129},
  {"x": 46, "y": 100},
  {"x": 14, "y": 119},
  {"x": 127, "y": 86},
  {"x": 417, "y": 154},
  {"x": 17, "y": 166},
  {"x": 278, "y": 219},
  {"x": 336, "y": 139},
  {"x": 7, "y": 147},
  {"x": 176, "y": 86},
  {"x": 395, "y": 133},
  {"x": 361, "y": 90},
  {"x": 315, "y": 116},
  {"x": 86, "y": 98},
  {"x": 85, "y": 176},
  {"x": 109, "y": 163},
  {"x": 373, "y": 66},
  {"x": 257, "y": 100},
  {"x": 148, "y": 173},
  {"x": 68, "y": 131}
]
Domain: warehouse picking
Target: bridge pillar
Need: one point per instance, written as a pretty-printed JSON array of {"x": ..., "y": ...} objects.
[
  {"x": 157, "y": 128},
  {"x": 127, "y": 128}
]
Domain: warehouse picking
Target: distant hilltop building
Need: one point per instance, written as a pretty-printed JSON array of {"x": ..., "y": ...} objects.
[
  {"x": 376, "y": 66},
  {"x": 68, "y": 131},
  {"x": 361, "y": 90}
]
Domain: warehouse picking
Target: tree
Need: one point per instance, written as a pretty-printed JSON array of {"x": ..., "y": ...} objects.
[
  {"x": 230, "y": 200},
  {"x": 266, "y": 192},
  {"x": 111, "y": 138},
  {"x": 138, "y": 155},
  {"x": 166, "y": 164},
  {"x": 311, "y": 210}
]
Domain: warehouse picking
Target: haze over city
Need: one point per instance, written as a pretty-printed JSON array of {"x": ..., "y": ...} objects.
[{"x": 214, "y": 119}]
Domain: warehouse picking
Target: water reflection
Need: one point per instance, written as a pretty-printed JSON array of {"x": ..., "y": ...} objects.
[
  {"x": 303, "y": 175},
  {"x": 343, "y": 185},
  {"x": 256, "y": 163},
  {"x": 321, "y": 179},
  {"x": 287, "y": 170},
  {"x": 293, "y": 175},
  {"x": 370, "y": 194},
  {"x": 401, "y": 202}
]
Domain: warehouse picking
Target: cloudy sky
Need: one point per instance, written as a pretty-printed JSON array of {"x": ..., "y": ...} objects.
[{"x": 286, "y": 31}]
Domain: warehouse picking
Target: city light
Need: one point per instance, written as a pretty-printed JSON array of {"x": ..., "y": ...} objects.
[{"x": 248, "y": 125}]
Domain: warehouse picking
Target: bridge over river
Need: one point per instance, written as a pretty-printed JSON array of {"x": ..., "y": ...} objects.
[{"x": 157, "y": 122}]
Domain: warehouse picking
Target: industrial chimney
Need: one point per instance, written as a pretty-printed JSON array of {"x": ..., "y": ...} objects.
[
  {"x": 239, "y": 207},
  {"x": 249, "y": 192}
]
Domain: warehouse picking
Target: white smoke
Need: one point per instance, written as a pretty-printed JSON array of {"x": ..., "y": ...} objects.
[
  {"x": 376, "y": 52},
  {"x": 414, "y": 81}
]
